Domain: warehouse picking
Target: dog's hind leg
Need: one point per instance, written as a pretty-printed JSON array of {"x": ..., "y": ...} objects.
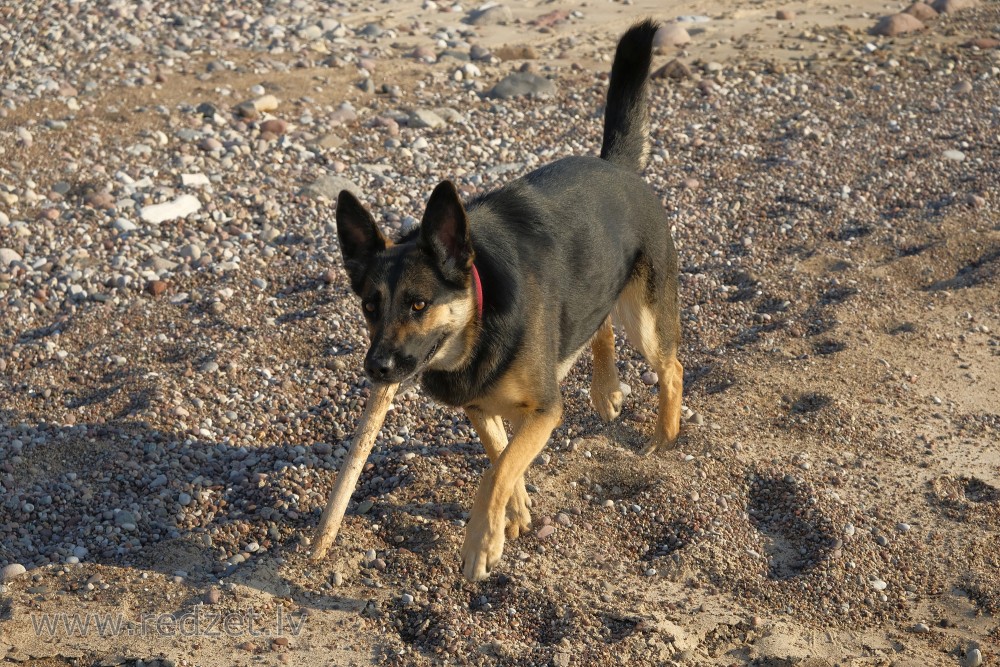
[
  {"x": 605, "y": 388},
  {"x": 651, "y": 319},
  {"x": 494, "y": 437}
]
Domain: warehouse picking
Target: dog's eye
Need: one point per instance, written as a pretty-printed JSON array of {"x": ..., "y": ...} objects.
[
  {"x": 419, "y": 305},
  {"x": 369, "y": 306}
]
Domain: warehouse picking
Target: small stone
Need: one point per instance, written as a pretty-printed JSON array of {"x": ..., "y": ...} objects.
[
  {"x": 425, "y": 118},
  {"x": 194, "y": 180},
  {"x": 210, "y": 144},
  {"x": 948, "y": 6},
  {"x": 697, "y": 419},
  {"x": 406, "y": 599},
  {"x": 922, "y": 11},
  {"x": 984, "y": 43},
  {"x": 8, "y": 256},
  {"x": 953, "y": 155},
  {"x": 522, "y": 84},
  {"x": 181, "y": 207},
  {"x": 156, "y": 287},
  {"x": 101, "y": 200},
  {"x": 649, "y": 378},
  {"x": 921, "y": 628},
  {"x": 973, "y": 657},
  {"x": 337, "y": 579},
  {"x": 903, "y": 527},
  {"x": 545, "y": 531},
  {"x": 274, "y": 126},
  {"x": 785, "y": 15},
  {"x": 184, "y": 499},
  {"x": 878, "y": 584},
  {"x": 897, "y": 24},
  {"x": 329, "y": 187},
  {"x": 365, "y": 506},
  {"x": 493, "y": 15},
  {"x": 962, "y": 88},
  {"x": 674, "y": 69},
  {"x": 11, "y": 572},
  {"x": 213, "y": 596},
  {"x": 670, "y": 35}
]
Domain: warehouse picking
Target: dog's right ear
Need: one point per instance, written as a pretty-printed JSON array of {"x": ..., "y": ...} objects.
[{"x": 360, "y": 237}]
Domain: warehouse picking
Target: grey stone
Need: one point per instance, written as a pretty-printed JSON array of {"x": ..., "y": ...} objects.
[
  {"x": 521, "y": 84},
  {"x": 329, "y": 187},
  {"x": 495, "y": 15}
]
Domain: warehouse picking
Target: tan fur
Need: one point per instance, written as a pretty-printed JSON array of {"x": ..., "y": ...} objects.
[
  {"x": 485, "y": 533},
  {"x": 634, "y": 312},
  {"x": 605, "y": 387}
]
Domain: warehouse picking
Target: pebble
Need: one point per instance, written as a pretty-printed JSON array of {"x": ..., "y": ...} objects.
[
  {"x": 545, "y": 531},
  {"x": 953, "y": 155},
  {"x": 425, "y": 118},
  {"x": 785, "y": 15},
  {"x": 973, "y": 657},
  {"x": 180, "y": 207},
  {"x": 671, "y": 35},
  {"x": 329, "y": 187},
  {"x": 649, "y": 378},
  {"x": 8, "y": 256},
  {"x": 522, "y": 84},
  {"x": 490, "y": 15},
  {"x": 213, "y": 596},
  {"x": 898, "y": 24},
  {"x": 11, "y": 572},
  {"x": 921, "y": 628},
  {"x": 406, "y": 599},
  {"x": 194, "y": 180}
]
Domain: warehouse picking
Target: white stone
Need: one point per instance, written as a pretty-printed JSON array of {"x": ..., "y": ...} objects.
[{"x": 180, "y": 207}]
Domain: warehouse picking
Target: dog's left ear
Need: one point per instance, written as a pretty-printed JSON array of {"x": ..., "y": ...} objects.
[{"x": 444, "y": 233}]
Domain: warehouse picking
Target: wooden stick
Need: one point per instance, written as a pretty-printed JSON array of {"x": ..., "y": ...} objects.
[{"x": 350, "y": 470}]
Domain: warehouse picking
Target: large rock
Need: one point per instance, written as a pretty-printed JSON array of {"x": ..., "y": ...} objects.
[
  {"x": 181, "y": 207},
  {"x": 329, "y": 187},
  {"x": 495, "y": 15},
  {"x": 948, "y": 6},
  {"x": 425, "y": 118},
  {"x": 897, "y": 24},
  {"x": 8, "y": 257},
  {"x": 522, "y": 84},
  {"x": 669, "y": 36},
  {"x": 12, "y": 571},
  {"x": 922, "y": 11}
]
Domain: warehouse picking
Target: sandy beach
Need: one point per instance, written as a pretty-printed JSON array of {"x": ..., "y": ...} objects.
[{"x": 181, "y": 355}]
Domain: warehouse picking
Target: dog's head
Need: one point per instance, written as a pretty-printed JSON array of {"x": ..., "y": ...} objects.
[{"x": 415, "y": 295}]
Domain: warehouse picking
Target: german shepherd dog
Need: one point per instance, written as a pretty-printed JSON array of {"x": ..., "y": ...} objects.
[{"x": 492, "y": 301}]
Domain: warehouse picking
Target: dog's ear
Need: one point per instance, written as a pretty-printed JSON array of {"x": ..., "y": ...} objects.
[
  {"x": 360, "y": 237},
  {"x": 444, "y": 233}
]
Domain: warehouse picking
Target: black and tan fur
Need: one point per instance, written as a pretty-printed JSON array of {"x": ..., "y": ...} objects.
[{"x": 559, "y": 251}]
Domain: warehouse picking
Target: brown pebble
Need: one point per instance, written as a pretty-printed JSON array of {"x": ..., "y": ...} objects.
[
  {"x": 785, "y": 15},
  {"x": 674, "y": 69},
  {"x": 922, "y": 11},
  {"x": 275, "y": 126},
  {"x": 99, "y": 200},
  {"x": 545, "y": 531},
  {"x": 156, "y": 287},
  {"x": 897, "y": 24},
  {"x": 279, "y": 642},
  {"x": 213, "y": 596},
  {"x": 984, "y": 43}
]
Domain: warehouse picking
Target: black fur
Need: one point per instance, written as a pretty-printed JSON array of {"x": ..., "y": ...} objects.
[{"x": 626, "y": 116}]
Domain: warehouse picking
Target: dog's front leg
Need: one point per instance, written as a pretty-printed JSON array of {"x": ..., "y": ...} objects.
[
  {"x": 494, "y": 438},
  {"x": 484, "y": 535}
]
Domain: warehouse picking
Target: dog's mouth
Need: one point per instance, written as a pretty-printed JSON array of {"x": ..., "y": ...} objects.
[{"x": 430, "y": 355}]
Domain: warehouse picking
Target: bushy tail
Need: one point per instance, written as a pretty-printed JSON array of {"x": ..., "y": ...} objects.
[{"x": 626, "y": 117}]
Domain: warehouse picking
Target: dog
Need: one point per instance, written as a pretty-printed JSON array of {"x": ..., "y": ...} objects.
[{"x": 492, "y": 301}]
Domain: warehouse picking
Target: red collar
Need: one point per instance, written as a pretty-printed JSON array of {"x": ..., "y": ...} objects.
[{"x": 479, "y": 290}]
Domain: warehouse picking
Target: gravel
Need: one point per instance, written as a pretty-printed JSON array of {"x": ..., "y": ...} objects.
[{"x": 180, "y": 354}]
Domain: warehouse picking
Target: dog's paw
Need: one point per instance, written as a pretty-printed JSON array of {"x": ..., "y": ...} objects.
[
  {"x": 518, "y": 514},
  {"x": 607, "y": 404},
  {"x": 660, "y": 445},
  {"x": 482, "y": 548}
]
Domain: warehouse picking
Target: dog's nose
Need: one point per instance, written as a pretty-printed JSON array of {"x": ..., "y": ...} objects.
[{"x": 379, "y": 367}]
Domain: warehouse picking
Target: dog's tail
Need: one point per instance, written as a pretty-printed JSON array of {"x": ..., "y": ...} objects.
[{"x": 626, "y": 116}]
